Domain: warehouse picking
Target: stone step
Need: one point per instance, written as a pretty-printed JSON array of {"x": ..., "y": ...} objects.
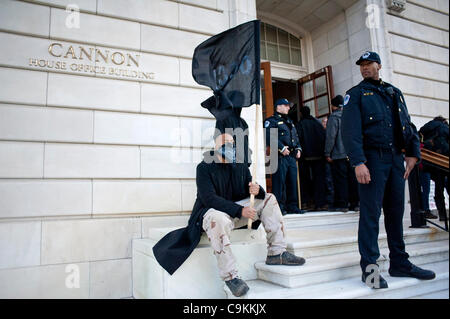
[
  {"x": 336, "y": 267},
  {"x": 319, "y": 218},
  {"x": 353, "y": 287},
  {"x": 317, "y": 241},
  {"x": 442, "y": 294},
  {"x": 198, "y": 277}
]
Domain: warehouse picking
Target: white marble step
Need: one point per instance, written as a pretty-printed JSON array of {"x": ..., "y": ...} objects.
[
  {"x": 335, "y": 267},
  {"x": 317, "y": 241},
  {"x": 319, "y": 218},
  {"x": 442, "y": 294},
  {"x": 353, "y": 287}
]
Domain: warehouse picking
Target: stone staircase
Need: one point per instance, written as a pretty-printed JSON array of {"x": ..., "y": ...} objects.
[{"x": 328, "y": 242}]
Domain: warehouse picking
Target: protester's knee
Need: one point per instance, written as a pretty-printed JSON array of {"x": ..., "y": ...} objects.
[{"x": 217, "y": 220}]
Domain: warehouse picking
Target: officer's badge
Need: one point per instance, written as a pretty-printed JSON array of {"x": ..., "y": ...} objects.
[
  {"x": 346, "y": 99},
  {"x": 266, "y": 124},
  {"x": 366, "y": 55}
]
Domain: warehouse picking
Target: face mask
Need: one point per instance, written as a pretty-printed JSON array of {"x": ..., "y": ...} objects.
[{"x": 228, "y": 152}]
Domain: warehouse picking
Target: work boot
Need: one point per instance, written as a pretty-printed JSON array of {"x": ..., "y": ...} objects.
[
  {"x": 411, "y": 271},
  {"x": 237, "y": 286},
  {"x": 372, "y": 284},
  {"x": 286, "y": 258}
]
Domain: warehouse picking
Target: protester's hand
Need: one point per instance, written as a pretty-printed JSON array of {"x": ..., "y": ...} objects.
[
  {"x": 298, "y": 155},
  {"x": 362, "y": 174},
  {"x": 249, "y": 212},
  {"x": 254, "y": 188},
  {"x": 286, "y": 152},
  {"x": 329, "y": 160},
  {"x": 410, "y": 162}
]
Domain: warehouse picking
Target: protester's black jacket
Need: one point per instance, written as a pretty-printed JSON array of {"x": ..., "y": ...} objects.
[{"x": 219, "y": 186}]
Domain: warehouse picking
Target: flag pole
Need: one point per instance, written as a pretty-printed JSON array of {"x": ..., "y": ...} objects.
[{"x": 254, "y": 162}]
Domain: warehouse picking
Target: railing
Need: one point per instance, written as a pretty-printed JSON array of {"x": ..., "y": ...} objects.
[{"x": 441, "y": 163}]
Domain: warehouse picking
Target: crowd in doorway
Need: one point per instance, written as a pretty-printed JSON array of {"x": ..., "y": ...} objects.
[{"x": 327, "y": 180}]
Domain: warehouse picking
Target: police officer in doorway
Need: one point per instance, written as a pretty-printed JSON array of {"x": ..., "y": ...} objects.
[
  {"x": 284, "y": 180},
  {"x": 379, "y": 138}
]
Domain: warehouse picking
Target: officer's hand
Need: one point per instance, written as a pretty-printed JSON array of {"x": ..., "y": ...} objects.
[
  {"x": 249, "y": 212},
  {"x": 286, "y": 152},
  {"x": 329, "y": 160},
  {"x": 362, "y": 174},
  {"x": 410, "y": 162},
  {"x": 254, "y": 188},
  {"x": 298, "y": 154}
]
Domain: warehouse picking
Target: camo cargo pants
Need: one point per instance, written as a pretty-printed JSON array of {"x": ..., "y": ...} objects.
[{"x": 218, "y": 226}]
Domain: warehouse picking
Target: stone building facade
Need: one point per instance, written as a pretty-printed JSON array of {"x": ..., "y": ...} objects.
[{"x": 101, "y": 127}]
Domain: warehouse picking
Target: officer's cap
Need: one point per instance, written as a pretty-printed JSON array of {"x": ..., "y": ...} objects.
[
  {"x": 369, "y": 56},
  {"x": 337, "y": 101},
  {"x": 281, "y": 102}
]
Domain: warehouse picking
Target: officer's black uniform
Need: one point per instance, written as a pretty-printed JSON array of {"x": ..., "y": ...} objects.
[
  {"x": 376, "y": 127},
  {"x": 284, "y": 180}
]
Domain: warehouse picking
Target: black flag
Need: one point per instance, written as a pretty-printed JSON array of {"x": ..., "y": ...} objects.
[{"x": 229, "y": 63}]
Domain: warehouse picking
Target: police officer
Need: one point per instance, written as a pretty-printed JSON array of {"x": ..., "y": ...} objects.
[
  {"x": 284, "y": 180},
  {"x": 379, "y": 137}
]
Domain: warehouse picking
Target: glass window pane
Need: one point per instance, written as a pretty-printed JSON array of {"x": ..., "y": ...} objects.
[
  {"x": 283, "y": 37},
  {"x": 271, "y": 34},
  {"x": 272, "y": 52},
  {"x": 311, "y": 106},
  {"x": 308, "y": 90},
  {"x": 284, "y": 54},
  {"x": 263, "y": 50},
  {"x": 296, "y": 57},
  {"x": 322, "y": 104},
  {"x": 321, "y": 85},
  {"x": 295, "y": 42}
]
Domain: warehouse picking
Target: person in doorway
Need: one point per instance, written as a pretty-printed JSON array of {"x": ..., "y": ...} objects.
[
  {"x": 284, "y": 180},
  {"x": 376, "y": 127},
  {"x": 312, "y": 166},
  {"x": 344, "y": 179},
  {"x": 223, "y": 191}
]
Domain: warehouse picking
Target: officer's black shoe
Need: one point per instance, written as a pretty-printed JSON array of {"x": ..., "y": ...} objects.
[
  {"x": 412, "y": 271},
  {"x": 430, "y": 215},
  {"x": 354, "y": 208},
  {"x": 286, "y": 258},
  {"x": 371, "y": 283},
  {"x": 339, "y": 209},
  {"x": 237, "y": 286}
]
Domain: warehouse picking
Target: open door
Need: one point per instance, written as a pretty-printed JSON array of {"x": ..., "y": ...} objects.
[
  {"x": 267, "y": 107},
  {"x": 316, "y": 91}
]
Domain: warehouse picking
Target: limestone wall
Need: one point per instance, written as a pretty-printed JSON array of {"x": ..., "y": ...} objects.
[
  {"x": 88, "y": 155},
  {"x": 419, "y": 41}
]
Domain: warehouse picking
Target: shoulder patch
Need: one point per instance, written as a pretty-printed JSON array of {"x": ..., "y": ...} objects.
[
  {"x": 266, "y": 123},
  {"x": 346, "y": 99}
]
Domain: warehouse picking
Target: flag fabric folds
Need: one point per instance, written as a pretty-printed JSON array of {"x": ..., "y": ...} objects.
[{"x": 229, "y": 64}]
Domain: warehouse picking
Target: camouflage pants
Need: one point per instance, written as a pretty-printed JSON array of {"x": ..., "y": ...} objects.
[{"x": 218, "y": 226}]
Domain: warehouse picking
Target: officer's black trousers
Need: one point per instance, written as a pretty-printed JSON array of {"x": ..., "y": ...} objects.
[
  {"x": 387, "y": 190},
  {"x": 284, "y": 183},
  {"x": 439, "y": 184},
  {"x": 345, "y": 184},
  {"x": 313, "y": 182}
]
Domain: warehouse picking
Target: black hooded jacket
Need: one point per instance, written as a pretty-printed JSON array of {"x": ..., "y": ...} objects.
[{"x": 219, "y": 186}]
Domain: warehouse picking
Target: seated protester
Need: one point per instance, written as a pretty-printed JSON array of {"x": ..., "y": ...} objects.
[{"x": 223, "y": 191}]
